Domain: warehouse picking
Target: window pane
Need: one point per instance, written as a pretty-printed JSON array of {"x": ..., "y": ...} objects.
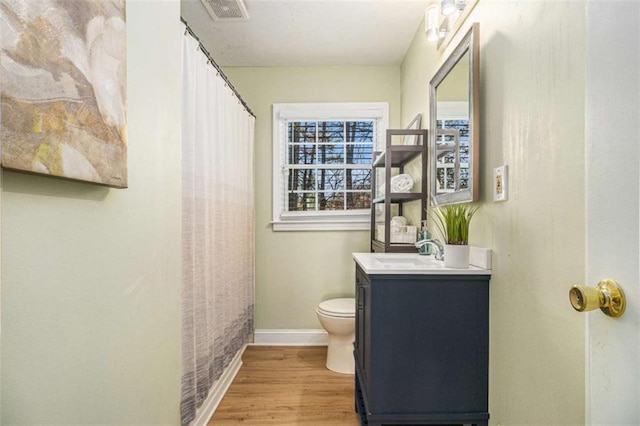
[
  {"x": 302, "y": 180},
  {"x": 451, "y": 180},
  {"x": 464, "y": 178},
  {"x": 331, "y": 131},
  {"x": 302, "y": 154},
  {"x": 461, "y": 125},
  {"x": 358, "y": 179},
  {"x": 330, "y": 154},
  {"x": 302, "y": 131},
  {"x": 446, "y": 138},
  {"x": 331, "y": 201},
  {"x": 450, "y": 158},
  {"x": 302, "y": 201},
  {"x": 332, "y": 179},
  {"x": 464, "y": 153},
  {"x": 359, "y": 131},
  {"x": 440, "y": 177},
  {"x": 358, "y": 200},
  {"x": 359, "y": 154}
]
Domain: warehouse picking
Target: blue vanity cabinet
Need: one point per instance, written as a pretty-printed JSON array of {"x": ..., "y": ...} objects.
[{"x": 422, "y": 349}]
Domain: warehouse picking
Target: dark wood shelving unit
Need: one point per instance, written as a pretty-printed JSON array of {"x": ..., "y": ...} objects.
[{"x": 396, "y": 157}]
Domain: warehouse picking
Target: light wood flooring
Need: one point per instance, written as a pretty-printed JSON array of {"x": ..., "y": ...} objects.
[{"x": 280, "y": 385}]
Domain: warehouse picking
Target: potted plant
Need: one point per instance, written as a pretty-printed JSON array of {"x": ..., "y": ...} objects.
[{"x": 452, "y": 222}]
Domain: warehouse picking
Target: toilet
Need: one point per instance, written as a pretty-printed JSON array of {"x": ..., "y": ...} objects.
[{"x": 338, "y": 318}]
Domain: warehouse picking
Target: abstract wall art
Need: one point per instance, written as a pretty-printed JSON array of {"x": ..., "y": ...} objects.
[{"x": 63, "y": 85}]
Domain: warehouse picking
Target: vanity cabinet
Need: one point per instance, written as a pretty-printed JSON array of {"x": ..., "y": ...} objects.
[
  {"x": 392, "y": 160},
  {"x": 422, "y": 348}
]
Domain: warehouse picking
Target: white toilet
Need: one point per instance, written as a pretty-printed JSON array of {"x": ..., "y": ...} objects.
[{"x": 338, "y": 318}]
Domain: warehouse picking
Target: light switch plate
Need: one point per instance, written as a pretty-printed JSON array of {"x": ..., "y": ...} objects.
[{"x": 500, "y": 183}]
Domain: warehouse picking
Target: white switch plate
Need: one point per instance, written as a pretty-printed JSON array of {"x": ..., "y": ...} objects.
[{"x": 500, "y": 183}]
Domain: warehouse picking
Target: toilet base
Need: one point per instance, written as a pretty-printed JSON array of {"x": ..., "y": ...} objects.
[
  {"x": 337, "y": 317},
  {"x": 340, "y": 354}
]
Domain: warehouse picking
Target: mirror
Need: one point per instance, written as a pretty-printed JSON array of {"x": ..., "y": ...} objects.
[{"x": 454, "y": 119}]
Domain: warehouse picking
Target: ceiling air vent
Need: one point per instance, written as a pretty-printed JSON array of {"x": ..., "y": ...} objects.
[{"x": 226, "y": 10}]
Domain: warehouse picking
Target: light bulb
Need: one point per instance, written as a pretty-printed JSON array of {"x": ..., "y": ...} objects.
[
  {"x": 432, "y": 34},
  {"x": 447, "y": 7},
  {"x": 431, "y": 23}
]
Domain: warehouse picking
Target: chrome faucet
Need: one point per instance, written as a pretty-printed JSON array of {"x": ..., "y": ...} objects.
[{"x": 436, "y": 244}]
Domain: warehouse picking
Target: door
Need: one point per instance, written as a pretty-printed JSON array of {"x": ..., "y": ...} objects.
[{"x": 613, "y": 208}]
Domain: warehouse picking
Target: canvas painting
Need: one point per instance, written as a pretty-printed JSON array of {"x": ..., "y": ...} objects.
[{"x": 63, "y": 85}]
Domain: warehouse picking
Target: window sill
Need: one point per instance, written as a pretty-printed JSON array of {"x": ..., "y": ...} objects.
[{"x": 319, "y": 225}]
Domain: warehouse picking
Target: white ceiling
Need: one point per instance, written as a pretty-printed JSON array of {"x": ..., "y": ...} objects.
[{"x": 310, "y": 32}]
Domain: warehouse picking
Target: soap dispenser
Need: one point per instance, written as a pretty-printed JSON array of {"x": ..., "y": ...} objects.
[{"x": 424, "y": 235}]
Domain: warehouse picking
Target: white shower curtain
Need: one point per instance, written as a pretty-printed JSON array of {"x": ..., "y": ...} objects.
[{"x": 217, "y": 233}]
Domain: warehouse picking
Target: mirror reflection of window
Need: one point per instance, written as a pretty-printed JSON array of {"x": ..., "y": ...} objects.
[
  {"x": 453, "y": 150},
  {"x": 453, "y": 125}
]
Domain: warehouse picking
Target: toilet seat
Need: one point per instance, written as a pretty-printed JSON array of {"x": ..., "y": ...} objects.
[{"x": 341, "y": 308}]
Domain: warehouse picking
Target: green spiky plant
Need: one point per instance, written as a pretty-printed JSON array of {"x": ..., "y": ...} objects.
[{"x": 453, "y": 222}]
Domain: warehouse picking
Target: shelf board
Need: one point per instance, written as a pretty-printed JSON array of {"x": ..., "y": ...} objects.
[
  {"x": 378, "y": 247},
  {"x": 400, "y": 155},
  {"x": 399, "y": 197}
]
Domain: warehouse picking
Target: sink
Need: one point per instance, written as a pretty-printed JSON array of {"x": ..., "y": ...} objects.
[
  {"x": 409, "y": 263},
  {"x": 396, "y": 260},
  {"x": 405, "y": 261}
]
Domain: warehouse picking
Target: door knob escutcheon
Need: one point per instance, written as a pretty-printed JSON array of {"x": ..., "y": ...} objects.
[{"x": 607, "y": 295}]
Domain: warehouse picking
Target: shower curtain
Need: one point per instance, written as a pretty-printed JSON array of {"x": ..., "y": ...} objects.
[{"x": 217, "y": 229}]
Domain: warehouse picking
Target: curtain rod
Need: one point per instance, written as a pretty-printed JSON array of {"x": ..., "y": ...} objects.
[{"x": 217, "y": 67}]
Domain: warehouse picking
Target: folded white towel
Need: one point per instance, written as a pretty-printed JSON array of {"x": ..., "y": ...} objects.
[{"x": 401, "y": 183}]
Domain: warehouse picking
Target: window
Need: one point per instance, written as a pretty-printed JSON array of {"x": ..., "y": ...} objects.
[{"x": 322, "y": 164}]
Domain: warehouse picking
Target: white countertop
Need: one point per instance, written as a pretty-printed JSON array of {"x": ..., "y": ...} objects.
[{"x": 415, "y": 264}]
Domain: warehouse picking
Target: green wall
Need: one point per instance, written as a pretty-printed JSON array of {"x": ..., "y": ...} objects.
[
  {"x": 532, "y": 119},
  {"x": 297, "y": 270}
]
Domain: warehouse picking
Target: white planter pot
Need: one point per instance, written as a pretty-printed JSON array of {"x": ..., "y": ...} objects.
[{"x": 456, "y": 256}]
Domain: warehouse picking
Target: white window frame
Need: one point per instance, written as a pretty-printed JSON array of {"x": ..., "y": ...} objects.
[{"x": 284, "y": 220}]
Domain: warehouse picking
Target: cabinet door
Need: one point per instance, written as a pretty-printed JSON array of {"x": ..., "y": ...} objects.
[
  {"x": 359, "y": 319},
  {"x": 429, "y": 347},
  {"x": 362, "y": 292}
]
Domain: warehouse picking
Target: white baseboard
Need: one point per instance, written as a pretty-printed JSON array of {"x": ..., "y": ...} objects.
[
  {"x": 218, "y": 390},
  {"x": 290, "y": 337}
]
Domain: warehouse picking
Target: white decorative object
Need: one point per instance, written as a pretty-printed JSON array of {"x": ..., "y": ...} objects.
[
  {"x": 456, "y": 256},
  {"x": 401, "y": 183},
  {"x": 399, "y": 234},
  {"x": 414, "y": 125},
  {"x": 480, "y": 257},
  {"x": 398, "y": 221}
]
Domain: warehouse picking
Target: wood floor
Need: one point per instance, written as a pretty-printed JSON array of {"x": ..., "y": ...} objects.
[{"x": 279, "y": 385}]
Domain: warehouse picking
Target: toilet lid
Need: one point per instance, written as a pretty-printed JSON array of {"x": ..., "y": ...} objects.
[{"x": 338, "y": 307}]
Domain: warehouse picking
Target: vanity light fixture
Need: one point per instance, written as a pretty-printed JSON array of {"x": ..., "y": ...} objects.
[
  {"x": 432, "y": 20},
  {"x": 443, "y": 18},
  {"x": 433, "y": 23}
]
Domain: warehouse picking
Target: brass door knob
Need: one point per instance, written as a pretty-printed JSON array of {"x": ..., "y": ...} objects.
[{"x": 607, "y": 295}]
